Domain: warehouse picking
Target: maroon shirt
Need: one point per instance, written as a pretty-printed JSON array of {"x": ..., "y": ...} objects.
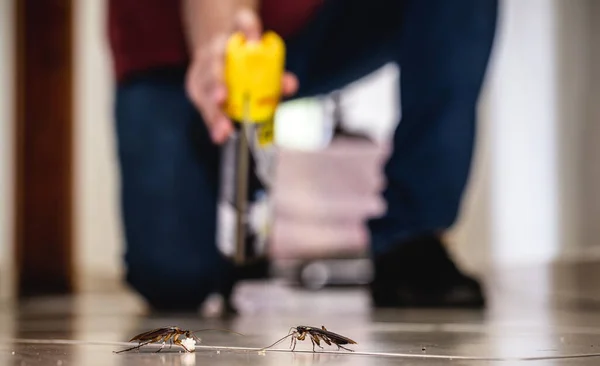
[{"x": 144, "y": 34}]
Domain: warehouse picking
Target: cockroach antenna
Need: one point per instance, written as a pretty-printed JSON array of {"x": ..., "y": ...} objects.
[{"x": 290, "y": 334}]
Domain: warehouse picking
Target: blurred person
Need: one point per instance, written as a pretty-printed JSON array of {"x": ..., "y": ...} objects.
[{"x": 168, "y": 57}]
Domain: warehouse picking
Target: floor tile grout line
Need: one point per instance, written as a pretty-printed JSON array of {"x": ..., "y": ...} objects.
[{"x": 357, "y": 353}]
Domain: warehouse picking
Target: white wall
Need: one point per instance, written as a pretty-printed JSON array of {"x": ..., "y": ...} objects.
[
  {"x": 538, "y": 107},
  {"x": 6, "y": 146},
  {"x": 98, "y": 230},
  {"x": 523, "y": 91}
]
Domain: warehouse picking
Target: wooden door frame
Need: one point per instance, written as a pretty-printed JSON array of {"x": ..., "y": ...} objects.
[{"x": 43, "y": 147}]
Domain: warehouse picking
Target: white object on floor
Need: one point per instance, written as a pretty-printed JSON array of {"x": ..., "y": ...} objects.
[{"x": 189, "y": 343}]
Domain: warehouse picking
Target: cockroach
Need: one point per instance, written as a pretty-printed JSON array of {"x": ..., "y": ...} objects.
[
  {"x": 316, "y": 335},
  {"x": 168, "y": 334}
]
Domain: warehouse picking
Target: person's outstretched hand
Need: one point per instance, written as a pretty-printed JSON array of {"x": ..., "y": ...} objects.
[{"x": 205, "y": 81}]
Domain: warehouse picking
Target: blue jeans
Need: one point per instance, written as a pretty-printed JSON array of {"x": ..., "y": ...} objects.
[{"x": 169, "y": 167}]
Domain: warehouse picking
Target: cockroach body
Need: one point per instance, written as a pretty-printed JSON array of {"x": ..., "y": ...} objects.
[
  {"x": 170, "y": 334},
  {"x": 316, "y": 335}
]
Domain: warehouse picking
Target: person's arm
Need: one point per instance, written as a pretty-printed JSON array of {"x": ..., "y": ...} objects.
[{"x": 208, "y": 24}]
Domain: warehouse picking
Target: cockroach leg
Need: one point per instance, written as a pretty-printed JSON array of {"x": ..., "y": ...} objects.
[
  {"x": 178, "y": 342},
  {"x": 315, "y": 341},
  {"x": 161, "y": 347},
  {"x": 347, "y": 349}
]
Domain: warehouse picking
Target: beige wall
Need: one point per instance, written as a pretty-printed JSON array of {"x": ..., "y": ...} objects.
[
  {"x": 574, "y": 73},
  {"x": 590, "y": 154},
  {"x": 97, "y": 231}
]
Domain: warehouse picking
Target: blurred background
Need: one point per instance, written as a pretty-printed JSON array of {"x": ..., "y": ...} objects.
[{"x": 532, "y": 197}]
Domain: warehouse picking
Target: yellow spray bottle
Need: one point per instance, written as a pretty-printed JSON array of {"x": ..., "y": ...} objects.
[{"x": 253, "y": 77}]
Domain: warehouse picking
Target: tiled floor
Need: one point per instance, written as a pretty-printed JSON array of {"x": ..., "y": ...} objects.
[{"x": 538, "y": 316}]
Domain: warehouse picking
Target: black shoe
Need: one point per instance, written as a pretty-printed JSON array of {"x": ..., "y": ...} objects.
[{"x": 420, "y": 273}]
